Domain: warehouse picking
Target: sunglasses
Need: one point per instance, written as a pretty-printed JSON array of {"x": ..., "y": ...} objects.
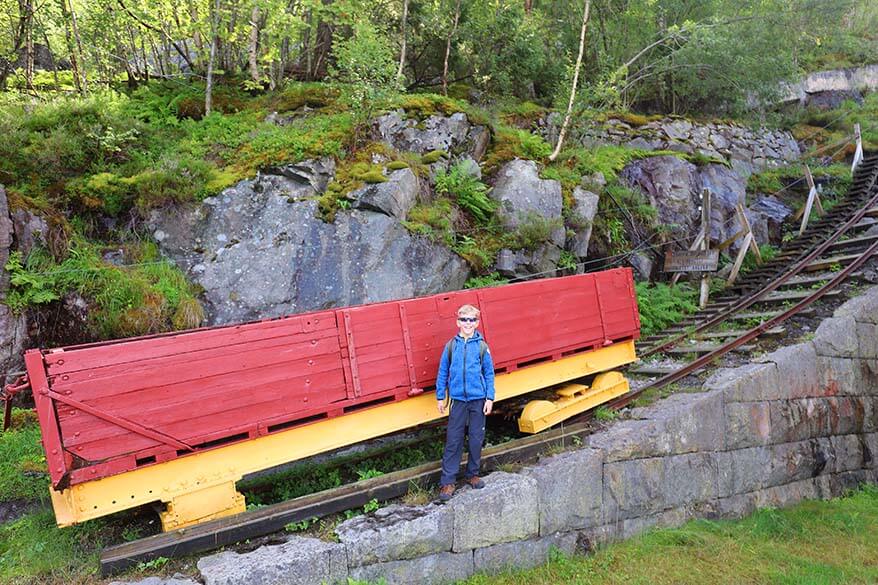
[{"x": 468, "y": 319}]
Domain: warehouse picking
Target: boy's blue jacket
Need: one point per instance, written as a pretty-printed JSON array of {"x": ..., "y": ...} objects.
[{"x": 467, "y": 379}]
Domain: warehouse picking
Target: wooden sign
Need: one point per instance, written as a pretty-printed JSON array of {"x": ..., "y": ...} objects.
[{"x": 691, "y": 260}]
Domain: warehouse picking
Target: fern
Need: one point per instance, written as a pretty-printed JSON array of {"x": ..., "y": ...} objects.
[
  {"x": 662, "y": 305},
  {"x": 469, "y": 192}
]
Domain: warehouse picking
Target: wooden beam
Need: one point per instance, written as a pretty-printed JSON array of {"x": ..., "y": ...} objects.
[
  {"x": 705, "y": 245},
  {"x": 733, "y": 275}
]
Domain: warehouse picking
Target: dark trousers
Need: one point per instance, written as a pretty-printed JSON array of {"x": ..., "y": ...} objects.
[{"x": 463, "y": 415}]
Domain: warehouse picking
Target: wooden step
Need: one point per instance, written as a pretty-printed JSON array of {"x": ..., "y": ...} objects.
[
  {"x": 863, "y": 241},
  {"x": 701, "y": 348},
  {"x": 651, "y": 370},
  {"x": 773, "y": 332},
  {"x": 793, "y": 295},
  {"x": 827, "y": 263},
  {"x": 765, "y": 315}
]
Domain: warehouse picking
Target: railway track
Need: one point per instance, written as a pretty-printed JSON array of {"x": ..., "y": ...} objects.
[{"x": 836, "y": 241}]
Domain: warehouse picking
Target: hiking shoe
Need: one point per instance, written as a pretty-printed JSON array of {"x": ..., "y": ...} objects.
[
  {"x": 445, "y": 492},
  {"x": 475, "y": 482}
]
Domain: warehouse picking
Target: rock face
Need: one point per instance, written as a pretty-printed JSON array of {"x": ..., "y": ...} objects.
[
  {"x": 748, "y": 151},
  {"x": 822, "y": 87},
  {"x": 675, "y": 187},
  {"x": 13, "y": 328},
  {"x": 585, "y": 206},
  {"x": 395, "y": 198},
  {"x": 453, "y": 134},
  {"x": 527, "y": 200},
  {"x": 259, "y": 251}
]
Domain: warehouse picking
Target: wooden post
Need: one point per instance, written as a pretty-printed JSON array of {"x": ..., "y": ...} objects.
[
  {"x": 858, "y": 154},
  {"x": 745, "y": 225},
  {"x": 705, "y": 245},
  {"x": 806, "y": 215},
  {"x": 812, "y": 187},
  {"x": 739, "y": 260}
]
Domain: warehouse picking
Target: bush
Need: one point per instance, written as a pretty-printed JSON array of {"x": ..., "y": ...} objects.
[
  {"x": 661, "y": 305},
  {"x": 533, "y": 231}
]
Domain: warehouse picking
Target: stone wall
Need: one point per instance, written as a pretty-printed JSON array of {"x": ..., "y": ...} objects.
[
  {"x": 796, "y": 424},
  {"x": 745, "y": 149}
]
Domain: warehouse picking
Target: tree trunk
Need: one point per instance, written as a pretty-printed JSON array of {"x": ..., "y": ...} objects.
[
  {"x": 253, "y": 50},
  {"x": 214, "y": 33},
  {"x": 448, "y": 48},
  {"x": 567, "y": 116},
  {"x": 71, "y": 51},
  {"x": 75, "y": 27},
  {"x": 405, "y": 13},
  {"x": 28, "y": 8}
]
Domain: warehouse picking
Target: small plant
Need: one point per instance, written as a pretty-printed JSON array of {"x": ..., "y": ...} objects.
[
  {"x": 493, "y": 279},
  {"x": 152, "y": 565},
  {"x": 534, "y": 230},
  {"x": 368, "y": 474},
  {"x": 602, "y": 413},
  {"x": 469, "y": 192},
  {"x": 371, "y": 506},
  {"x": 300, "y": 525},
  {"x": 567, "y": 260},
  {"x": 661, "y": 305}
]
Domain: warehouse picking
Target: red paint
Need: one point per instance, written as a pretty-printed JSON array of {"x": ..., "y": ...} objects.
[{"x": 217, "y": 385}]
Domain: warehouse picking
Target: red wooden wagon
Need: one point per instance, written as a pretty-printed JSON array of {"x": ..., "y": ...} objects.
[{"x": 180, "y": 417}]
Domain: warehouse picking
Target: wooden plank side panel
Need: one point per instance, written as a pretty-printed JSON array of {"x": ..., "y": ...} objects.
[
  {"x": 214, "y": 421},
  {"x": 66, "y": 360},
  {"x": 619, "y": 302},
  {"x": 153, "y": 405}
]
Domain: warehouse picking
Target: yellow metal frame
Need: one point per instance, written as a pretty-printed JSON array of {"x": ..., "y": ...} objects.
[
  {"x": 201, "y": 486},
  {"x": 572, "y": 399}
]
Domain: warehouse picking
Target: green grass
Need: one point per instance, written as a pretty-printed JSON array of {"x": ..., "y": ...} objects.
[
  {"x": 33, "y": 550},
  {"x": 814, "y": 543},
  {"x": 23, "y": 471}
]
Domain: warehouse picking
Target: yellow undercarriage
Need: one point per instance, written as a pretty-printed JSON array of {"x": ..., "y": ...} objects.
[{"x": 201, "y": 487}]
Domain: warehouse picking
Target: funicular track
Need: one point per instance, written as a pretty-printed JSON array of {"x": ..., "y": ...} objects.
[{"x": 833, "y": 240}]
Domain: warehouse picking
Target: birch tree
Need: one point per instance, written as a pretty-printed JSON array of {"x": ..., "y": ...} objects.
[{"x": 573, "y": 85}]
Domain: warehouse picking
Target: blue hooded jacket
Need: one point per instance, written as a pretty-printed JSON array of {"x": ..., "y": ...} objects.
[{"x": 470, "y": 376}]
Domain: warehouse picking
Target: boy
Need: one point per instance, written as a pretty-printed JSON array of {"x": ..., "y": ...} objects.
[{"x": 466, "y": 375}]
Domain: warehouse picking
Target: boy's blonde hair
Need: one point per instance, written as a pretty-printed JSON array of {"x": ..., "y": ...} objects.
[{"x": 468, "y": 311}]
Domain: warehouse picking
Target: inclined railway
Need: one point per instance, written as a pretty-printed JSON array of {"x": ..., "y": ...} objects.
[{"x": 137, "y": 452}]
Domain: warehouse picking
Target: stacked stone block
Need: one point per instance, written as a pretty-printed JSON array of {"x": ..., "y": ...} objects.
[{"x": 796, "y": 424}]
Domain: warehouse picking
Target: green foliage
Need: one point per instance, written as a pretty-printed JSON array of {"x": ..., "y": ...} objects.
[
  {"x": 661, "y": 305},
  {"x": 34, "y": 550},
  {"x": 149, "y": 297},
  {"x": 432, "y": 221},
  {"x": 509, "y": 143},
  {"x": 313, "y": 477},
  {"x": 23, "y": 471},
  {"x": 433, "y": 156},
  {"x": 533, "y": 231},
  {"x": 768, "y": 253},
  {"x": 788, "y": 546},
  {"x": 469, "y": 192},
  {"x": 604, "y": 414},
  {"x": 493, "y": 279},
  {"x": 366, "y": 61},
  {"x": 567, "y": 260}
]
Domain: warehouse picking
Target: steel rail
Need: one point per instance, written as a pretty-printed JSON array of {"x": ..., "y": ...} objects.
[
  {"x": 774, "y": 284},
  {"x": 254, "y": 523},
  {"x": 752, "y": 333}
]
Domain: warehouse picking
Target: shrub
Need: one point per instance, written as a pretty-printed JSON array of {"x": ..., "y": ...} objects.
[
  {"x": 533, "y": 231},
  {"x": 661, "y": 305}
]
